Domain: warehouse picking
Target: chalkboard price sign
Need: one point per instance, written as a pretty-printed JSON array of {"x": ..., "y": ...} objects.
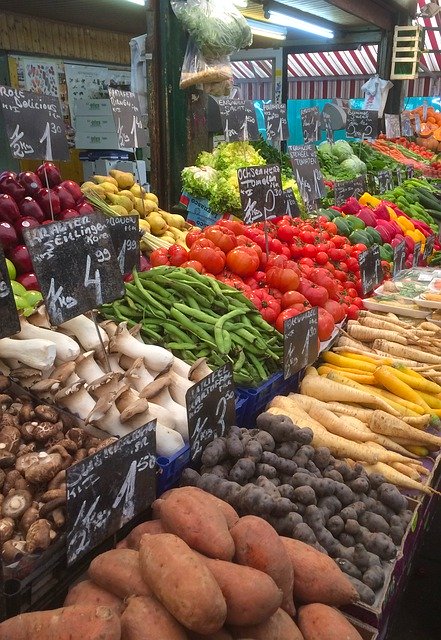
[
  {"x": 393, "y": 125},
  {"x": 429, "y": 246},
  {"x": 416, "y": 254},
  {"x": 385, "y": 181},
  {"x": 300, "y": 342},
  {"x": 75, "y": 264},
  {"x": 406, "y": 126},
  {"x": 410, "y": 172},
  {"x": 34, "y": 125},
  {"x": 124, "y": 231},
  {"x": 311, "y": 124},
  {"x": 307, "y": 172},
  {"x": 362, "y": 124},
  {"x": 291, "y": 204},
  {"x": 211, "y": 409},
  {"x": 399, "y": 258},
  {"x": 370, "y": 269},
  {"x": 349, "y": 189},
  {"x": 276, "y": 122},
  {"x": 127, "y": 116},
  {"x": 9, "y": 322},
  {"x": 108, "y": 489},
  {"x": 239, "y": 120},
  {"x": 261, "y": 192},
  {"x": 398, "y": 176},
  {"x": 327, "y": 125}
]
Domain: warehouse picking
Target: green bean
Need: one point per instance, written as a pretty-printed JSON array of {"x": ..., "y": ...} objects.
[
  {"x": 147, "y": 295},
  {"x": 219, "y": 332},
  {"x": 239, "y": 362},
  {"x": 192, "y": 326},
  {"x": 175, "y": 331},
  {"x": 181, "y": 346},
  {"x": 258, "y": 366},
  {"x": 160, "y": 291},
  {"x": 194, "y": 313},
  {"x": 192, "y": 303},
  {"x": 151, "y": 334},
  {"x": 185, "y": 290}
]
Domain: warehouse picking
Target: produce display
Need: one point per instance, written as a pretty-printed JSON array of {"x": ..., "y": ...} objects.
[{"x": 418, "y": 199}]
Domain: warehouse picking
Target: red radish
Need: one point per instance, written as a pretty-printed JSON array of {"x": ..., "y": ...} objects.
[
  {"x": 9, "y": 211},
  {"x": 29, "y": 281},
  {"x": 30, "y": 181},
  {"x": 44, "y": 198},
  {"x": 10, "y": 185},
  {"x": 30, "y": 208},
  {"x": 19, "y": 255},
  {"x": 73, "y": 188},
  {"x": 48, "y": 171},
  {"x": 67, "y": 201},
  {"x": 8, "y": 235},
  {"x": 84, "y": 208},
  {"x": 67, "y": 214}
]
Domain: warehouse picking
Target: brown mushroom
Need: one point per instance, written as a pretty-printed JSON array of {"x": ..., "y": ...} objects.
[
  {"x": 57, "y": 517},
  {"x": 14, "y": 480},
  {"x": 7, "y": 458},
  {"x": 26, "y": 413},
  {"x": 30, "y": 516},
  {"x": 16, "y": 503},
  {"x": 2, "y": 478},
  {"x": 38, "y": 537},
  {"x": 26, "y": 448},
  {"x": 80, "y": 455},
  {"x": 45, "y": 469},
  {"x": 65, "y": 456},
  {"x": 5, "y": 383},
  {"x": 26, "y": 460},
  {"x": 53, "y": 494},
  {"x": 7, "y": 526},
  {"x": 27, "y": 430},
  {"x": 58, "y": 481},
  {"x": 77, "y": 435},
  {"x": 13, "y": 551},
  {"x": 8, "y": 419},
  {"x": 69, "y": 445},
  {"x": 46, "y": 430},
  {"x": 47, "y": 508},
  {"x": 5, "y": 401},
  {"x": 46, "y": 413},
  {"x": 11, "y": 437},
  {"x": 105, "y": 443}
]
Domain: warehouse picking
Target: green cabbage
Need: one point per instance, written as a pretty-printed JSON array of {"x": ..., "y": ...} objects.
[
  {"x": 325, "y": 148},
  {"x": 353, "y": 164},
  {"x": 342, "y": 150},
  {"x": 198, "y": 181}
]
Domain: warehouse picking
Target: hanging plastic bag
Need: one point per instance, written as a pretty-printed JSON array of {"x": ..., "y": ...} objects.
[
  {"x": 197, "y": 71},
  {"x": 217, "y": 26}
]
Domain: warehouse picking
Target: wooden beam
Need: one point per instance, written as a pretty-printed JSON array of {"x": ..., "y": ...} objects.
[{"x": 366, "y": 10}]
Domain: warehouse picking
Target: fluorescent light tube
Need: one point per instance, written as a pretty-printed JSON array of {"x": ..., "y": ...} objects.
[
  {"x": 295, "y": 23},
  {"x": 266, "y": 30},
  {"x": 140, "y": 2}
]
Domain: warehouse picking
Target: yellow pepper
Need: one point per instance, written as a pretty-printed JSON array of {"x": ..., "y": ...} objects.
[
  {"x": 367, "y": 199},
  {"x": 391, "y": 212},
  {"x": 415, "y": 235},
  {"x": 405, "y": 224}
]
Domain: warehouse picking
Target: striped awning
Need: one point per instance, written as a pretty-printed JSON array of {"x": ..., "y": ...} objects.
[
  {"x": 357, "y": 62},
  {"x": 431, "y": 61}
]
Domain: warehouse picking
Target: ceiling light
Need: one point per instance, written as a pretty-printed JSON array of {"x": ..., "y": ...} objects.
[
  {"x": 266, "y": 30},
  {"x": 286, "y": 20},
  {"x": 140, "y": 2}
]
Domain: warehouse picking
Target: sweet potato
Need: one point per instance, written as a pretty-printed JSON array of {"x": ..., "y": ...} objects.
[
  {"x": 228, "y": 511},
  {"x": 279, "y": 627},
  {"x": 199, "y": 523},
  {"x": 320, "y": 622},
  {"x": 251, "y": 595},
  {"x": 258, "y": 545},
  {"x": 182, "y": 582},
  {"x": 318, "y": 578},
  {"x": 69, "y": 623},
  {"x": 146, "y": 617},
  {"x": 86, "y": 592},
  {"x": 118, "y": 571},
  {"x": 132, "y": 541}
]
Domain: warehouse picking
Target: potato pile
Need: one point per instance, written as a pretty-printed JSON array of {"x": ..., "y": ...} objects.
[
  {"x": 200, "y": 571},
  {"x": 305, "y": 493}
]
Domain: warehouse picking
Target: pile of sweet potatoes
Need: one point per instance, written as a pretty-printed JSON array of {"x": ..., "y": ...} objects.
[{"x": 200, "y": 571}]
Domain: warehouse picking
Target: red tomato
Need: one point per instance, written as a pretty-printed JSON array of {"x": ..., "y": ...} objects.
[
  {"x": 288, "y": 313},
  {"x": 358, "y": 302},
  {"x": 306, "y": 261},
  {"x": 159, "y": 257},
  {"x": 243, "y": 261},
  {"x": 352, "y": 312},
  {"x": 291, "y": 298},
  {"x": 233, "y": 225},
  {"x": 338, "y": 241},
  {"x": 326, "y": 324},
  {"x": 318, "y": 274},
  {"x": 222, "y": 238},
  {"x": 296, "y": 249},
  {"x": 243, "y": 241},
  {"x": 358, "y": 248},
  {"x": 351, "y": 292},
  {"x": 275, "y": 245},
  {"x": 335, "y": 309},
  {"x": 340, "y": 275},
  {"x": 286, "y": 233},
  {"x": 321, "y": 257},
  {"x": 307, "y": 236},
  {"x": 342, "y": 266},
  {"x": 331, "y": 228},
  {"x": 309, "y": 251},
  {"x": 352, "y": 264},
  {"x": 212, "y": 259},
  {"x": 193, "y": 264},
  {"x": 282, "y": 279},
  {"x": 177, "y": 255},
  {"x": 316, "y": 295},
  {"x": 192, "y": 235}
]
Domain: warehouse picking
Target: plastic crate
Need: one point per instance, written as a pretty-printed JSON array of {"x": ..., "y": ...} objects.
[
  {"x": 257, "y": 398},
  {"x": 170, "y": 469},
  {"x": 241, "y": 405}
]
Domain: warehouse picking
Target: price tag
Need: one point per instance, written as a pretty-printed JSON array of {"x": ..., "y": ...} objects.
[
  {"x": 428, "y": 247},
  {"x": 399, "y": 258},
  {"x": 239, "y": 120},
  {"x": 127, "y": 116},
  {"x": 406, "y": 126},
  {"x": 261, "y": 193},
  {"x": 425, "y": 109},
  {"x": 385, "y": 181},
  {"x": 34, "y": 125},
  {"x": 307, "y": 172},
  {"x": 124, "y": 232},
  {"x": 9, "y": 322},
  {"x": 416, "y": 254},
  {"x": 399, "y": 176},
  {"x": 211, "y": 409},
  {"x": 370, "y": 269},
  {"x": 410, "y": 173},
  {"x": 311, "y": 124},
  {"x": 371, "y": 183},
  {"x": 349, "y": 189},
  {"x": 327, "y": 125},
  {"x": 108, "y": 489},
  {"x": 291, "y": 204},
  {"x": 300, "y": 341},
  {"x": 75, "y": 264},
  {"x": 417, "y": 124},
  {"x": 393, "y": 125},
  {"x": 362, "y": 124},
  {"x": 276, "y": 120}
]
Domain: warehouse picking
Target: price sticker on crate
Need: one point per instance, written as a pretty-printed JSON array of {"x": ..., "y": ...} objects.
[
  {"x": 276, "y": 122},
  {"x": 311, "y": 124},
  {"x": 124, "y": 232},
  {"x": 416, "y": 254},
  {"x": 261, "y": 193},
  {"x": 9, "y": 322},
  {"x": 239, "y": 120},
  {"x": 300, "y": 342},
  {"x": 429, "y": 246},
  {"x": 211, "y": 409},
  {"x": 399, "y": 258},
  {"x": 34, "y": 125},
  {"x": 385, "y": 181},
  {"x": 76, "y": 265},
  {"x": 109, "y": 489},
  {"x": 127, "y": 116},
  {"x": 371, "y": 272}
]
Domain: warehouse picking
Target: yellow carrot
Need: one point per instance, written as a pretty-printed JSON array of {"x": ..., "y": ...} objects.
[
  {"x": 431, "y": 400},
  {"x": 367, "y": 358},
  {"x": 386, "y": 377},
  {"x": 406, "y": 407},
  {"x": 417, "y": 382},
  {"x": 422, "y": 452},
  {"x": 348, "y": 363},
  {"x": 392, "y": 427},
  {"x": 352, "y": 374}
]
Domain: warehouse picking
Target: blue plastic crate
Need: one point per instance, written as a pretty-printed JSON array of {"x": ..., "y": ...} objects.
[
  {"x": 170, "y": 469},
  {"x": 257, "y": 398},
  {"x": 241, "y": 405}
]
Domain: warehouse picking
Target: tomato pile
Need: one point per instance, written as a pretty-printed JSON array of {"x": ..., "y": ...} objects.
[{"x": 309, "y": 264}]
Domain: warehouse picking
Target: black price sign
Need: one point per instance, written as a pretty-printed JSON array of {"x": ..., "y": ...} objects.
[
  {"x": 9, "y": 322},
  {"x": 239, "y": 120},
  {"x": 416, "y": 254},
  {"x": 108, "y": 489},
  {"x": 124, "y": 231},
  {"x": 127, "y": 116},
  {"x": 261, "y": 192},
  {"x": 34, "y": 125},
  {"x": 211, "y": 409},
  {"x": 399, "y": 176},
  {"x": 385, "y": 181},
  {"x": 399, "y": 258},
  {"x": 429, "y": 246},
  {"x": 75, "y": 264},
  {"x": 393, "y": 125},
  {"x": 307, "y": 172},
  {"x": 327, "y": 125},
  {"x": 291, "y": 204},
  {"x": 311, "y": 124},
  {"x": 370, "y": 269},
  {"x": 406, "y": 126},
  {"x": 276, "y": 122},
  {"x": 349, "y": 189},
  {"x": 362, "y": 124},
  {"x": 300, "y": 342},
  {"x": 410, "y": 172}
]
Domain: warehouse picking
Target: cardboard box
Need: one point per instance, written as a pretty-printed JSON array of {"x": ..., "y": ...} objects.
[
  {"x": 92, "y": 108},
  {"x": 91, "y": 124},
  {"x": 98, "y": 140},
  {"x": 88, "y": 169}
]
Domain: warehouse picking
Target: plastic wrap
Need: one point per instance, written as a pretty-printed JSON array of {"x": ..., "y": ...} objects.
[{"x": 197, "y": 71}]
